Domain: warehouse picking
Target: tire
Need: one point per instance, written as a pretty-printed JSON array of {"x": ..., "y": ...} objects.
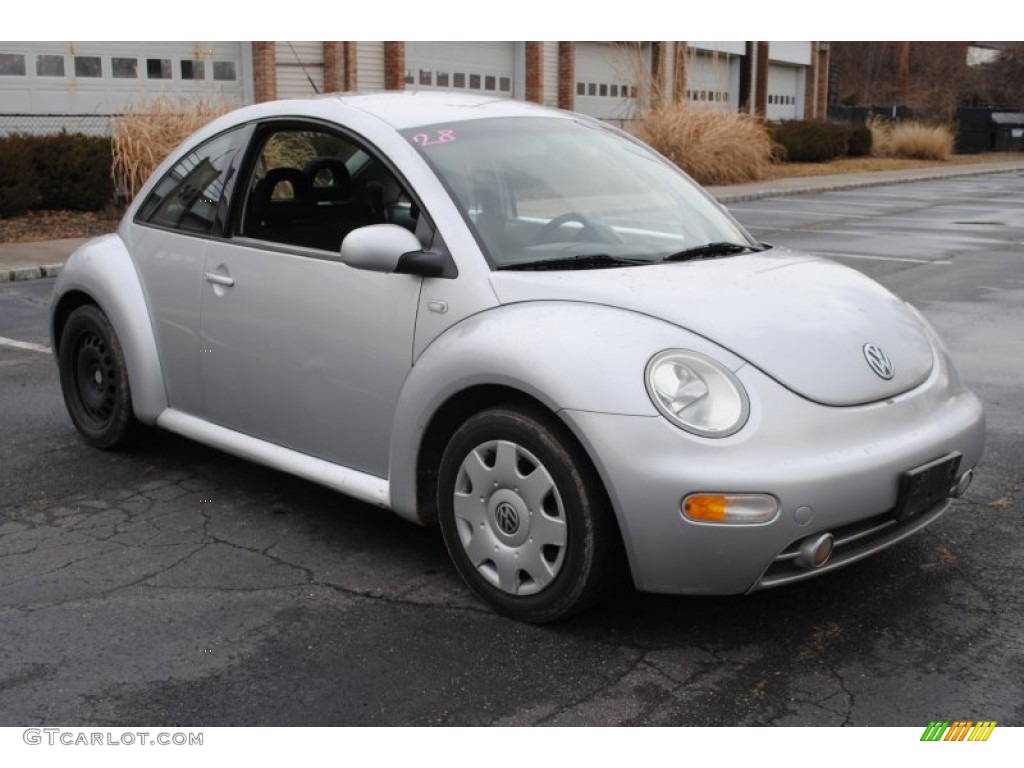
[
  {"x": 524, "y": 516},
  {"x": 94, "y": 380}
]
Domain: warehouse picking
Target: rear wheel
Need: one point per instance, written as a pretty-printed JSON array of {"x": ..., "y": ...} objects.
[
  {"x": 94, "y": 380},
  {"x": 523, "y": 515}
]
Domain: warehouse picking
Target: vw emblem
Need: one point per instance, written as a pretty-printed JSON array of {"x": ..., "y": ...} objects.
[
  {"x": 879, "y": 361},
  {"x": 507, "y": 518}
]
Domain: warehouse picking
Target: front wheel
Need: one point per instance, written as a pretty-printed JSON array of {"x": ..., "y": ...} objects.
[
  {"x": 523, "y": 515},
  {"x": 94, "y": 380}
]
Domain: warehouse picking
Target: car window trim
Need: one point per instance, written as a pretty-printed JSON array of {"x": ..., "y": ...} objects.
[{"x": 244, "y": 241}]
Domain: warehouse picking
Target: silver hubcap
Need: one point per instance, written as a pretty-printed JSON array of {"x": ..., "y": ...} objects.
[{"x": 510, "y": 517}]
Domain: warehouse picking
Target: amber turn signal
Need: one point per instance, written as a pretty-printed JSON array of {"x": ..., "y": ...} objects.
[{"x": 730, "y": 508}]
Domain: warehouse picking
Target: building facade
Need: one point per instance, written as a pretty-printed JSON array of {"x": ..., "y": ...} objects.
[
  {"x": 76, "y": 82},
  {"x": 46, "y": 86}
]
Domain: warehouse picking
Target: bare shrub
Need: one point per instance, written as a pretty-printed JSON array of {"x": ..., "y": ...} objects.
[
  {"x": 148, "y": 131},
  {"x": 713, "y": 146}
]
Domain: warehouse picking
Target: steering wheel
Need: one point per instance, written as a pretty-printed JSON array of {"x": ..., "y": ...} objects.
[{"x": 598, "y": 231}]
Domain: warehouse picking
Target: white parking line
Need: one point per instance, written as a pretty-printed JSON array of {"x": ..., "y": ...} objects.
[
  {"x": 25, "y": 345},
  {"x": 837, "y": 255}
]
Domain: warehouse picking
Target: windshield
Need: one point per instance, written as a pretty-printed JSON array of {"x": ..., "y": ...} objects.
[{"x": 549, "y": 189}]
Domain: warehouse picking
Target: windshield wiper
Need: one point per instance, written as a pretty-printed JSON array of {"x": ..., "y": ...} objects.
[
  {"x": 582, "y": 261},
  {"x": 709, "y": 251}
]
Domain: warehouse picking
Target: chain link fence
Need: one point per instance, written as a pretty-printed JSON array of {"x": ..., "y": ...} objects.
[{"x": 91, "y": 125}]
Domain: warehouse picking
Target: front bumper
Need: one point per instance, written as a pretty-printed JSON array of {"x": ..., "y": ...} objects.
[{"x": 831, "y": 469}]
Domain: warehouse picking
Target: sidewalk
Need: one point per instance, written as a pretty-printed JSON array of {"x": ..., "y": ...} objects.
[
  {"x": 28, "y": 261},
  {"x": 808, "y": 185}
]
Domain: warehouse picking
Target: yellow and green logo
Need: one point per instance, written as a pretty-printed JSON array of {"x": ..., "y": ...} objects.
[{"x": 958, "y": 730}]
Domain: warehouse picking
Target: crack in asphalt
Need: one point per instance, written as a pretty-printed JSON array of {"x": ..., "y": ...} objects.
[
  {"x": 850, "y": 702},
  {"x": 594, "y": 694},
  {"x": 72, "y": 515}
]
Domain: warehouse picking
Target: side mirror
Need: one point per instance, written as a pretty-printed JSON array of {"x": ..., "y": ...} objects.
[{"x": 378, "y": 247}]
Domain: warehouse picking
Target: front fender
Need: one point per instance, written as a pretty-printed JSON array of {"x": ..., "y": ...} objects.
[
  {"x": 566, "y": 355},
  {"x": 103, "y": 270}
]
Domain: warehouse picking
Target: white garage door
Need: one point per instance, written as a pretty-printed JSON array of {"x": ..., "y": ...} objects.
[
  {"x": 606, "y": 79},
  {"x": 713, "y": 81},
  {"x": 80, "y": 80},
  {"x": 300, "y": 69},
  {"x": 785, "y": 91},
  {"x": 488, "y": 68}
]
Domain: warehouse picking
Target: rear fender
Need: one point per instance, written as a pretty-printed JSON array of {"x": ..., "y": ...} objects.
[{"x": 103, "y": 271}]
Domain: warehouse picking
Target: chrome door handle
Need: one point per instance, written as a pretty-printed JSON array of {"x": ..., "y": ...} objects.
[{"x": 216, "y": 279}]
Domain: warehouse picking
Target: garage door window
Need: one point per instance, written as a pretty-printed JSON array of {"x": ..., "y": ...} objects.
[
  {"x": 224, "y": 70},
  {"x": 48, "y": 65},
  {"x": 12, "y": 64},
  {"x": 124, "y": 68},
  {"x": 158, "y": 69},
  {"x": 88, "y": 66},
  {"x": 192, "y": 69}
]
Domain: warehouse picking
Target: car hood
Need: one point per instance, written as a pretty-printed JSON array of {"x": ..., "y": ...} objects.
[{"x": 804, "y": 321}]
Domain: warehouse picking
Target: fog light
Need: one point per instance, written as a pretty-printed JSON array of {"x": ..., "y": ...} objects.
[
  {"x": 962, "y": 484},
  {"x": 815, "y": 551},
  {"x": 730, "y": 508}
]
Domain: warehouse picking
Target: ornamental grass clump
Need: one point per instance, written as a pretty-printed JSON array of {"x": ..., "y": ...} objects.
[
  {"x": 148, "y": 131},
  {"x": 913, "y": 139},
  {"x": 713, "y": 146},
  {"x": 924, "y": 142}
]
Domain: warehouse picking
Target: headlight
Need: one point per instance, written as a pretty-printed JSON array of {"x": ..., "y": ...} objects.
[{"x": 696, "y": 393}]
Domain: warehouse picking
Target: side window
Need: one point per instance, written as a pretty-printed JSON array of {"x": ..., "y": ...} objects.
[
  {"x": 311, "y": 187},
  {"x": 186, "y": 198}
]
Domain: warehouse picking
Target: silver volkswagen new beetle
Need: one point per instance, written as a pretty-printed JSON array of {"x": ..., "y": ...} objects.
[{"x": 527, "y": 327}]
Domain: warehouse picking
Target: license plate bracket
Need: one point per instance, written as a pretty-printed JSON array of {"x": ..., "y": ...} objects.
[{"x": 923, "y": 487}]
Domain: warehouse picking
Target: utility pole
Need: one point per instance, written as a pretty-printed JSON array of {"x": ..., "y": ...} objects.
[{"x": 904, "y": 71}]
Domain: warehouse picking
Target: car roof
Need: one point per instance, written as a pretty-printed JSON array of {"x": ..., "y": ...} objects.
[
  {"x": 411, "y": 108},
  {"x": 399, "y": 109}
]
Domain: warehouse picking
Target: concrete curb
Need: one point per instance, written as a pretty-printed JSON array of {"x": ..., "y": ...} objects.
[{"x": 29, "y": 273}]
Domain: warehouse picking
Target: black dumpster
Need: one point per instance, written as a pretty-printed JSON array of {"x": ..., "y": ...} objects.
[
  {"x": 1009, "y": 131},
  {"x": 974, "y": 130}
]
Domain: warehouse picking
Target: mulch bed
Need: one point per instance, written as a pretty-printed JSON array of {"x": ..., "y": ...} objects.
[{"x": 54, "y": 225}]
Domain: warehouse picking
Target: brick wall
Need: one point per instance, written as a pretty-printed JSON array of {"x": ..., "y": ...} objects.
[
  {"x": 351, "y": 66},
  {"x": 394, "y": 66},
  {"x": 264, "y": 71},
  {"x": 535, "y": 71},
  {"x": 657, "y": 72},
  {"x": 566, "y": 74},
  {"x": 679, "y": 72},
  {"x": 761, "y": 78},
  {"x": 824, "y": 64},
  {"x": 334, "y": 67}
]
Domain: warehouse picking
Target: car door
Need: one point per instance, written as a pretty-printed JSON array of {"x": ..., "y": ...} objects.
[
  {"x": 168, "y": 239},
  {"x": 299, "y": 349}
]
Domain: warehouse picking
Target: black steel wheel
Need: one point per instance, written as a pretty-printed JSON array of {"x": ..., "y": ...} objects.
[{"x": 94, "y": 380}]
